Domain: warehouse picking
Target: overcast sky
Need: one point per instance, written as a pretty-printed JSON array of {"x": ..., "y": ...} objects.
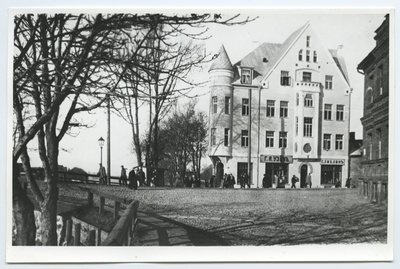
[{"x": 354, "y": 32}]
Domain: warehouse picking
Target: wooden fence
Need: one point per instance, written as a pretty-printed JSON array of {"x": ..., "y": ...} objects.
[{"x": 124, "y": 230}]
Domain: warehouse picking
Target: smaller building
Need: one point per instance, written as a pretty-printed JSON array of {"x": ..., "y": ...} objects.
[{"x": 355, "y": 159}]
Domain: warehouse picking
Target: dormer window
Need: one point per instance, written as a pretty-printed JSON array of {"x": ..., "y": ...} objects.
[
  {"x": 285, "y": 78},
  {"x": 246, "y": 77}
]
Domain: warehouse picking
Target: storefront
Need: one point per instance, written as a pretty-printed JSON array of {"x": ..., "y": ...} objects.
[
  {"x": 276, "y": 168},
  {"x": 331, "y": 171}
]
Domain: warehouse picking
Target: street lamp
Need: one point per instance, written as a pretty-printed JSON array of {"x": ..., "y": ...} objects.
[{"x": 101, "y": 144}]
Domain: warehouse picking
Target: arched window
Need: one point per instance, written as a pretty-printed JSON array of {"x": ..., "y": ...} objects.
[
  {"x": 308, "y": 100},
  {"x": 301, "y": 55}
]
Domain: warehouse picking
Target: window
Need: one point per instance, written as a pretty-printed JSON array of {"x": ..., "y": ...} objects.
[
  {"x": 297, "y": 99},
  {"x": 297, "y": 126},
  {"x": 306, "y": 76},
  {"x": 328, "y": 112},
  {"x": 282, "y": 139},
  {"x": 227, "y": 105},
  {"x": 329, "y": 82},
  {"x": 371, "y": 88},
  {"x": 284, "y": 109},
  {"x": 245, "y": 138},
  {"x": 379, "y": 79},
  {"x": 215, "y": 104},
  {"x": 270, "y": 108},
  {"x": 339, "y": 142},
  {"x": 246, "y": 76},
  {"x": 327, "y": 141},
  {"x": 370, "y": 151},
  {"x": 285, "y": 78},
  {"x": 308, "y": 40},
  {"x": 245, "y": 107},
  {"x": 226, "y": 137},
  {"x": 315, "y": 57},
  {"x": 301, "y": 55},
  {"x": 269, "y": 141},
  {"x": 340, "y": 112},
  {"x": 308, "y": 127},
  {"x": 308, "y": 100},
  {"x": 307, "y": 55},
  {"x": 379, "y": 143},
  {"x": 213, "y": 138}
]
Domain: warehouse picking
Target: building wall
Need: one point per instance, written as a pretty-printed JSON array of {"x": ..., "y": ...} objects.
[{"x": 272, "y": 159}]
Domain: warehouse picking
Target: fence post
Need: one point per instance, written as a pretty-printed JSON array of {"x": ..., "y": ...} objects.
[
  {"x": 116, "y": 209},
  {"x": 92, "y": 238},
  {"x": 90, "y": 198},
  {"x": 68, "y": 231},
  {"x": 101, "y": 207},
  {"x": 77, "y": 235}
]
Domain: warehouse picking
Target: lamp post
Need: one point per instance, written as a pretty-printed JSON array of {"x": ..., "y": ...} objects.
[{"x": 101, "y": 144}]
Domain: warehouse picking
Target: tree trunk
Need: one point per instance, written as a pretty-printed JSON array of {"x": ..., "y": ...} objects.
[{"x": 23, "y": 214}]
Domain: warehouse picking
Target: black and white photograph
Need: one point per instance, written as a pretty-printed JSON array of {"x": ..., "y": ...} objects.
[{"x": 200, "y": 135}]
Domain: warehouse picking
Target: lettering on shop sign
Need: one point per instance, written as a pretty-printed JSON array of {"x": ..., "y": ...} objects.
[
  {"x": 333, "y": 161},
  {"x": 276, "y": 159}
]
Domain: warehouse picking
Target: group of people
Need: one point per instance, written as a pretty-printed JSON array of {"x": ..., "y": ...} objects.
[
  {"x": 191, "y": 182},
  {"x": 133, "y": 180},
  {"x": 228, "y": 181}
]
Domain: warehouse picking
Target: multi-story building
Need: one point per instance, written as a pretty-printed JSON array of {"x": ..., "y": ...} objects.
[
  {"x": 282, "y": 110},
  {"x": 375, "y": 68}
]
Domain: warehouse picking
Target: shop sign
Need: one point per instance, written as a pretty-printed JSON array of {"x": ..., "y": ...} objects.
[
  {"x": 276, "y": 159},
  {"x": 333, "y": 161}
]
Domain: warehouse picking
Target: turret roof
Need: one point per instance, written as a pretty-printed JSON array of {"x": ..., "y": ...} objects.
[{"x": 221, "y": 60}]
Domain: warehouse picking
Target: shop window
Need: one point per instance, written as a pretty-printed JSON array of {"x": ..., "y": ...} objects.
[{"x": 330, "y": 174}]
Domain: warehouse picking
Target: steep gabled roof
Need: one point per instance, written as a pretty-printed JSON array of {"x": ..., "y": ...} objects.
[
  {"x": 221, "y": 61},
  {"x": 340, "y": 63}
]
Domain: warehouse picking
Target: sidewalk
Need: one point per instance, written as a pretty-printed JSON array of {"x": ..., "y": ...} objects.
[{"x": 156, "y": 230}]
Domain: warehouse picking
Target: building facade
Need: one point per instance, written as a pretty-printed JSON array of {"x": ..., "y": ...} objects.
[
  {"x": 282, "y": 110},
  {"x": 375, "y": 68}
]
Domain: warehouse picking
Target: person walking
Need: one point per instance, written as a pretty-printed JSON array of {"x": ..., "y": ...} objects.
[
  {"x": 212, "y": 179},
  {"x": 308, "y": 181},
  {"x": 294, "y": 180},
  {"x": 233, "y": 180},
  {"x": 123, "y": 178},
  {"x": 132, "y": 180},
  {"x": 265, "y": 181},
  {"x": 142, "y": 177},
  {"x": 102, "y": 175}
]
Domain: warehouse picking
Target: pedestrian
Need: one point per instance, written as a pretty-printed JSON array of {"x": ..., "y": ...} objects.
[
  {"x": 276, "y": 180},
  {"x": 132, "y": 180},
  {"x": 212, "y": 181},
  {"x": 154, "y": 182},
  {"x": 102, "y": 175},
  {"x": 142, "y": 177},
  {"x": 233, "y": 181},
  {"x": 223, "y": 181},
  {"x": 265, "y": 181},
  {"x": 123, "y": 178},
  {"x": 242, "y": 181},
  {"x": 294, "y": 180},
  {"x": 247, "y": 180},
  {"x": 308, "y": 180}
]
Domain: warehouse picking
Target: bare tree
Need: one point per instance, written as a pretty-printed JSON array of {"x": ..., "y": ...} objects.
[{"x": 61, "y": 67}]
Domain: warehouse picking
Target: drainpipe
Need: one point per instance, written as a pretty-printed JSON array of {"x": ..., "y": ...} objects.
[
  {"x": 348, "y": 138},
  {"x": 249, "y": 147}
]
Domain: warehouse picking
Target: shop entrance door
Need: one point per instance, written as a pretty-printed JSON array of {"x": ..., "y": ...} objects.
[{"x": 303, "y": 175}]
